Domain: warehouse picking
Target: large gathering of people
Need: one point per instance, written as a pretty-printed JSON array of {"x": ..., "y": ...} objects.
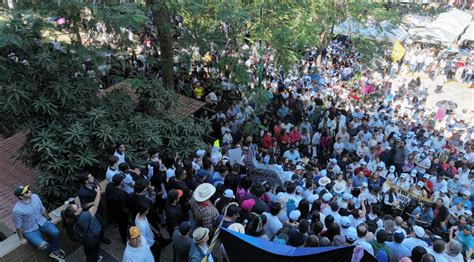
[{"x": 360, "y": 160}]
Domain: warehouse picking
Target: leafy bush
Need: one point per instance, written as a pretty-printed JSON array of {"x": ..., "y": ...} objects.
[{"x": 70, "y": 128}]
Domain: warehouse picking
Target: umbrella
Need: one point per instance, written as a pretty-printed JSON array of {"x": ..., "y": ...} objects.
[{"x": 446, "y": 104}]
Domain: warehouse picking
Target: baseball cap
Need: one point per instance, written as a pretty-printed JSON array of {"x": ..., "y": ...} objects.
[
  {"x": 392, "y": 169},
  {"x": 467, "y": 193},
  {"x": 420, "y": 184},
  {"x": 364, "y": 184},
  {"x": 134, "y": 232},
  {"x": 248, "y": 204},
  {"x": 351, "y": 234},
  {"x": 21, "y": 190},
  {"x": 362, "y": 162},
  {"x": 228, "y": 193},
  {"x": 426, "y": 176},
  {"x": 199, "y": 233},
  {"x": 327, "y": 197},
  {"x": 295, "y": 214},
  {"x": 419, "y": 231},
  {"x": 345, "y": 221},
  {"x": 403, "y": 175}
]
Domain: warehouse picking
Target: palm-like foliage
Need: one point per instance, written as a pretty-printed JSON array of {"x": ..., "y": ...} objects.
[{"x": 70, "y": 129}]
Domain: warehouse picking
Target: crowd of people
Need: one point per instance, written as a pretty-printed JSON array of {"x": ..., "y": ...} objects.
[{"x": 359, "y": 163}]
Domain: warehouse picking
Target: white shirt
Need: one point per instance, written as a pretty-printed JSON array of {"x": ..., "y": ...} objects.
[
  {"x": 272, "y": 226},
  {"x": 111, "y": 173},
  {"x": 145, "y": 229},
  {"x": 412, "y": 242},
  {"x": 138, "y": 254}
]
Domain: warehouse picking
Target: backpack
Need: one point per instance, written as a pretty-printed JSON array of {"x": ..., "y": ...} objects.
[{"x": 78, "y": 234}]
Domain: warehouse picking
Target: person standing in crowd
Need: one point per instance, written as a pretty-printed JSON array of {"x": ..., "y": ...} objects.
[
  {"x": 86, "y": 222},
  {"x": 31, "y": 220},
  {"x": 200, "y": 249},
  {"x": 182, "y": 242},
  {"x": 137, "y": 249},
  {"x": 202, "y": 208},
  {"x": 148, "y": 232},
  {"x": 117, "y": 205}
]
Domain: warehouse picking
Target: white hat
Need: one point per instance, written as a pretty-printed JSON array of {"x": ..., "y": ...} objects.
[
  {"x": 313, "y": 197},
  {"x": 420, "y": 184},
  {"x": 237, "y": 227},
  {"x": 419, "y": 231},
  {"x": 200, "y": 153},
  {"x": 298, "y": 167},
  {"x": 203, "y": 192},
  {"x": 345, "y": 221},
  {"x": 229, "y": 193},
  {"x": 199, "y": 233},
  {"x": 299, "y": 189},
  {"x": 364, "y": 184},
  {"x": 388, "y": 148},
  {"x": 327, "y": 197},
  {"x": 323, "y": 181},
  {"x": 294, "y": 215},
  {"x": 468, "y": 212},
  {"x": 413, "y": 172},
  {"x": 333, "y": 160},
  {"x": 392, "y": 169},
  {"x": 362, "y": 162},
  {"x": 404, "y": 175},
  {"x": 426, "y": 176},
  {"x": 467, "y": 193},
  {"x": 339, "y": 187},
  {"x": 346, "y": 196},
  {"x": 351, "y": 234},
  {"x": 443, "y": 190}
]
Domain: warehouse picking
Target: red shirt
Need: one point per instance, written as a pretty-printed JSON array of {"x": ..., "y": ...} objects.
[{"x": 267, "y": 141}]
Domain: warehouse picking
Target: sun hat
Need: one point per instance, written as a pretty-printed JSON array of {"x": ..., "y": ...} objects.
[
  {"x": 204, "y": 192},
  {"x": 323, "y": 181},
  {"x": 339, "y": 187},
  {"x": 228, "y": 193},
  {"x": 21, "y": 190},
  {"x": 199, "y": 233},
  {"x": 134, "y": 232}
]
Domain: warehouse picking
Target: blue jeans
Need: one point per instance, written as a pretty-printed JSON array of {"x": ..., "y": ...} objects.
[{"x": 36, "y": 239}]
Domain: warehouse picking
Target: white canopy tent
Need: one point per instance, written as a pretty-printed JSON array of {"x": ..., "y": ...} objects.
[
  {"x": 445, "y": 30},
  {"x": 380, "y": 32},
  {"x": 468, "y": 34}
]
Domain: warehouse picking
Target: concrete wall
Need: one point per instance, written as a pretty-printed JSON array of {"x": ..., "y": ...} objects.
[{"x": 12, "y": 251}]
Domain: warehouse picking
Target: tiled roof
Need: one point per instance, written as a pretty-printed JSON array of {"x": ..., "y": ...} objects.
[
  {"x": 186, "y": 105},
  {"x": 13, "y": 173}
]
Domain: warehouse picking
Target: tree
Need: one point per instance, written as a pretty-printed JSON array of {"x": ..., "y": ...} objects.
[{"x": 70, "y": 128}]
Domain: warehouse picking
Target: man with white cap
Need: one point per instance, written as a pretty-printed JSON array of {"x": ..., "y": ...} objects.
[
  {"x": 345, "y": 223},
  {"x": 443, "y": 194},
  {"x": 465, "y": 199},
  {"x": 454, "y": 185},
  {"x": 415, "y": 239},
  {"x": 203, "y": 210},
  {"x": 403, "y": 183},
  {"x": 350, "y": 235},
  {"x": 422, "y": 162}
]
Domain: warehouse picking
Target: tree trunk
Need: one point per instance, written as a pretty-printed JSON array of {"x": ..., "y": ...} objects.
[{"x": 164, "y": 27}]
